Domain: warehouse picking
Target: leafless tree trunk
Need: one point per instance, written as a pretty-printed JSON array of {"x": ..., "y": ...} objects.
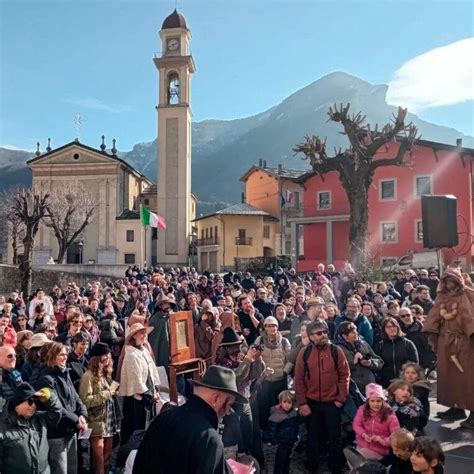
[
  {"x": 29, "y": 208},
  {"x": 70, "y": 210},
  {"x": 13, "y": 232},
  {"x": 357, "y": 164}
]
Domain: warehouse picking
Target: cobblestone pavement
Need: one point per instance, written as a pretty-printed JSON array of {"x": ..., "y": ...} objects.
[{"x": 457, "y": 443}]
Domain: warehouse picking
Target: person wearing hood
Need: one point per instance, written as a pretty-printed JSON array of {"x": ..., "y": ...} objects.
[
  {"x": 23, "y": 430},
  {"x": 362, "y": 360},
  {"x": 413, "y": 331},
  {"x": 159, "y": 339},
  {"x": 205, "y": 332},
  {"x": 62, "y": 437},
  {"x": 395, "y": 349},
  {"x": 450, "y": 328},
  {"x": 353, "y": 314}
]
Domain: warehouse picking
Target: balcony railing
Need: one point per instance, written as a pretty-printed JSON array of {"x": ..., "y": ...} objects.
[
  {"x": 243, "y": 240},
  {"x": 208, "y": 241}
]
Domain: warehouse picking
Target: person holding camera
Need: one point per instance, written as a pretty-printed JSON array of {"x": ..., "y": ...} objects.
[
  {"x": 247, "y": 367},
  {"x": 362, "y": 360}
]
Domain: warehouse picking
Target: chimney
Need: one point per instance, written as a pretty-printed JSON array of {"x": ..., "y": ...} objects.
[
  {"x": 459, "y": 142},
  {"x": 260, "y": 162},
  {"x": 280, "y": 168},
  {"x": 264, "y": 164},
  {"x": 243, "y": 197}
]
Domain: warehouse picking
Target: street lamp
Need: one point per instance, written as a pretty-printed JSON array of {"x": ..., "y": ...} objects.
[{"x": 80, "y": 245}]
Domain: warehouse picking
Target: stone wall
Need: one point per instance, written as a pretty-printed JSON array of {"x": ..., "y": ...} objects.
[{"x": 46, "y": 278}]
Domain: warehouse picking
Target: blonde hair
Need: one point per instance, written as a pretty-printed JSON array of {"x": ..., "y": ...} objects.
[
  {"x": 402, "y": 439},
  {"x": 286, "y": 396}
]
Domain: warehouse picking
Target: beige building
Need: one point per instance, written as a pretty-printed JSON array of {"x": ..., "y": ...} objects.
[
  {"x": 115, "y": 236},
  {"x": 175, "y": 67},
  {"x": 239, "y": 231}
]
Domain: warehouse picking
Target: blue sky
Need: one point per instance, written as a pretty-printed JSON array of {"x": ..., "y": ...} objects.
[{"x": 60, "y": 58}]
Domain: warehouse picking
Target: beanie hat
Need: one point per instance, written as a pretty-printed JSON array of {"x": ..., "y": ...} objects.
[
  {"x": 99, "y": 349},
  {"x": 270, "y": 320},
  {"x": 373, "y": 390}
]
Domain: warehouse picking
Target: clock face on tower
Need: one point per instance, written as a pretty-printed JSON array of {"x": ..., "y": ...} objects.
[{"x": 173, "y": 44}]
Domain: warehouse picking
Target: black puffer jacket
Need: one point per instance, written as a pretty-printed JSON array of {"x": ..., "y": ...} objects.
[
  {"x": 395, "y": 352},
  {"x": 72, "y": 407},
  {"x": 8, "y": 382},
  {"x": 420, "y": 339}
]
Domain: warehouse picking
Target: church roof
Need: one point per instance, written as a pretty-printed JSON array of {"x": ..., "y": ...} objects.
[
  {"x": 89, "y": 148},
  {"x": 241, "y": 209},
  {"x": 175, "y": 20}
]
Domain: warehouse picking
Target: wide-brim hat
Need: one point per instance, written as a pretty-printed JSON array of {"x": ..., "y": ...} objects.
[
  {"x": 136, "y": 328},
  {"x": 39, "y": 340},
  {"x": 164, "y": 299},
  {"x": 230, "y": 337},
  {"x": 315, "y": 301},
  {"x": 221, "y": 379}
]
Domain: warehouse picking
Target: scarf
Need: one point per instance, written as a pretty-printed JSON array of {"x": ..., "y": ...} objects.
[{"x": 272, "y": 343}]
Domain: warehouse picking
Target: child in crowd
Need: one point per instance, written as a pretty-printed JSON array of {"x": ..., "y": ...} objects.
[
  {"x": 283, "y": 426},
  {"x": 414, "y": 374},
  {"x": 427, "y": 456},
  {"x": 407, "y": 408},
  {"x": 374, "y": 423},
  {"x": 401, "y": 442}
]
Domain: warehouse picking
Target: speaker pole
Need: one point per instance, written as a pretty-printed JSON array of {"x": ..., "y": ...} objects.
[{"x": 440, "y": 261}]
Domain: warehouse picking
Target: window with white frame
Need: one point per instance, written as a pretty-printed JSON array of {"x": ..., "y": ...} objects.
[
  {"x": 387, "y": 190},
  {"x": 389, "y": 232},
  {"x": 324, "y": 200},
  {"x": 418, "y": 230},
  {"x": 423, "y": 185}
]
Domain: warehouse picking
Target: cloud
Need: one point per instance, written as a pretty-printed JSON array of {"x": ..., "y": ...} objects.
[
  {"x": 95, "y": 104},
  {"x": 441, "y": 76}
]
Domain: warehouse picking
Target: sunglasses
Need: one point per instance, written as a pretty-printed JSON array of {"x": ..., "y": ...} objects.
[
  {"x": 31, "y": 401},
  {"x": 11, "y": 356},
  {"x": 405, "y": 315},
  {"x": 319, "y": 333}
]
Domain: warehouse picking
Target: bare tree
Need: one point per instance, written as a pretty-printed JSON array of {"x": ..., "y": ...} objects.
[
  {"x": 29, "y": 208},
  {"x": 70, "y": 210},
  {"x": 357, "y": 164},
  {"x": 14, "y": 230}
]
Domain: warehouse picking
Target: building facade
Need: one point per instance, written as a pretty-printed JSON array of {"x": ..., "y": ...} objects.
[
  {"x": 278, "y": 192},
  {"x": 239, "y": 231},
  {"x": 395, "y": 220}
]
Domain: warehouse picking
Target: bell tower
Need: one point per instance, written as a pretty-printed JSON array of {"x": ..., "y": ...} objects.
[{"x": 175, "y": 67}]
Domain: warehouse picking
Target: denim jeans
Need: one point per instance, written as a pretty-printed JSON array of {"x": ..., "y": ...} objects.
[{"x": 63, "y": 455}]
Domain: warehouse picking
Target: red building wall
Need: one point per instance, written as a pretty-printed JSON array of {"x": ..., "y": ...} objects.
[{"x": 449, "y": 175}]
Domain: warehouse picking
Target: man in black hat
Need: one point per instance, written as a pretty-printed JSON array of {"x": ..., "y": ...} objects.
[
  {"x": 184, "y": 440},
  {"x": 23, "y": 430}
]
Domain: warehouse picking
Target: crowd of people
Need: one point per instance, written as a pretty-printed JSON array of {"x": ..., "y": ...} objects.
[{"x": 322, "y": 362}]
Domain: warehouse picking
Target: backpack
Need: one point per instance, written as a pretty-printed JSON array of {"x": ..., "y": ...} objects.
[{"x": 355, "y": 396}]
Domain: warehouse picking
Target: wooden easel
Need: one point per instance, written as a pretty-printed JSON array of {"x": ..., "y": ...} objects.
[{"x": 183, "y": 351}]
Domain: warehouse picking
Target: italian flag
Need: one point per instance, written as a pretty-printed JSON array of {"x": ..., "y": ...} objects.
[{"x": 151, "y": 219}]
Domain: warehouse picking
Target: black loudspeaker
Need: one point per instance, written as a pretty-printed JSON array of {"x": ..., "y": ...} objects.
[{"x": 439, "y": 216}]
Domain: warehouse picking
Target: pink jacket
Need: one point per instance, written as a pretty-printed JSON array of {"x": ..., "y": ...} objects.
[{"x": 374, "y": 426}]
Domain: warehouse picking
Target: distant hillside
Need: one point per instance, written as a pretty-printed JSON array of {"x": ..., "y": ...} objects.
[{"x": 225, "y": 149}]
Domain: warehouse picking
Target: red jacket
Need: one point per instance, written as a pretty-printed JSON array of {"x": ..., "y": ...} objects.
[{"x": 323, "y": 381}]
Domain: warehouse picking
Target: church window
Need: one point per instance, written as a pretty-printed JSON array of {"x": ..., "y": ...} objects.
[
  {"x": 173, "y": 89},
  {"x": 130, "y": 235},
  {"x": 129, "y": 258}
]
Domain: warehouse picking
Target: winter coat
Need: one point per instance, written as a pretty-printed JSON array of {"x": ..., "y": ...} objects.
[
  {"x": 420, "y": 339},
  {"x": 421, "y": 390},
  {"x": 9, "y": 380},
  {"x": 183, "y": 440},
  {"x": 59, "y": 380},
  {"x": 395, "y": 352},
  {"x": 203, "y": 336},
  {"x": 265, "y": 307},
  {"x": 410, "y": 414},
  {"x": 246, "y": 323},
  {"x": 364, "y": 328},
  {"x": 322, "y": 381},
  {"x": 374, "y": 426},
  {"x": 275, "y": 355},
  {"x": 137, "y": 367},
  {"x": 23, "y": 443},
  {"x": 359, "y": 373},
  {"x": 77, "y": 368},
  {"x": 95, "y": 393},
  {"x": 159, "y": 338},
  {"x": 283, "y": 426}
]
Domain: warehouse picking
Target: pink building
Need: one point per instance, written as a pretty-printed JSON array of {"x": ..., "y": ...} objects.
[{"x": 395, "y": 227}]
